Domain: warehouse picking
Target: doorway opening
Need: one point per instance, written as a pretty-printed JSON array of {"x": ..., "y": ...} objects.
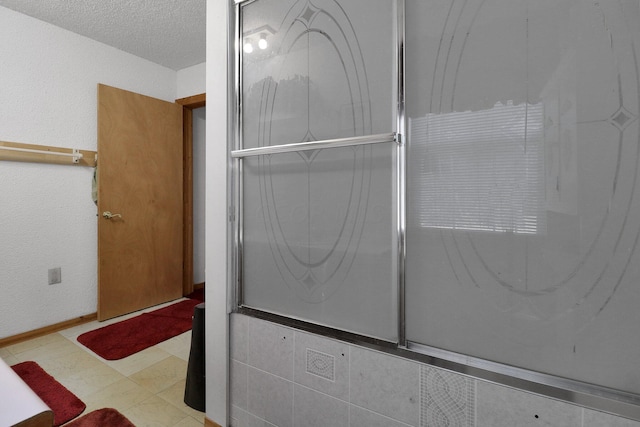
[{"x": 194, "y": 116}]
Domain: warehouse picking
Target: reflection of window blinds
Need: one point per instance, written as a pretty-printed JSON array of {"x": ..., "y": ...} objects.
[{"x": 479, "y": 170}]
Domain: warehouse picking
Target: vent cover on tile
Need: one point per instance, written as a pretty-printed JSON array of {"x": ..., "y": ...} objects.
[
  {"x": 447, "y": 399},
  {"x": 321, "y": 364}
]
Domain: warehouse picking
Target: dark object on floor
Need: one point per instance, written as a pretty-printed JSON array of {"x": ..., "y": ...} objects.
[
  {"x": 64, "y": 404},
  {"x": 130, "y": 336},
  {"x": 194, "y": 393},
  {"x": 106, "y": 417}
]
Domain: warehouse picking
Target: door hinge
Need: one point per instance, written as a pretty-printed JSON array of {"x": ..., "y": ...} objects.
[{"x": 232, "y": 214}]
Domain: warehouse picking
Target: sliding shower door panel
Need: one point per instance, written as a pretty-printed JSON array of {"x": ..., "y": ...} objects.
[
  {"x": 318, "y": 224},
  {"x": 318, "y": 241},
  {"x": 523, "y": 210}
]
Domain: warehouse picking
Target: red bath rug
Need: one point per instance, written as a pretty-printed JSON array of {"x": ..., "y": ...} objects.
[
  {"x": 64, "y": 404},
  {"x": 106, "y": 417},
  {"x": 130, "y": 336}
]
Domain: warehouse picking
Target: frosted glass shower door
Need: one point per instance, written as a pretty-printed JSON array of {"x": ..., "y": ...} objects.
[
  {"x": 318, "y": 225},
  {"x": 523, "y": 204}
]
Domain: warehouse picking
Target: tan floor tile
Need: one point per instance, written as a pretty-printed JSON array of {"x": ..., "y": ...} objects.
[
  {"x": 31, "y": 345},
  {"x": 138, "y": 361},
  {"x": 161, "y": 375},
  {"x": 63, "y": 364},
  {"x": 190, "y": 422},
  {"x": 175, "y": 396},
  {"x": 154, "y": 412},
  {"x": 8, "y": 358},
  {"x": 179, "y": 346},
  {"x": 54, "y": 349},
  {"x": 88, "y": 381},
  {"x": 74, "y": 332},
  {"x": 121, "y": 395}
]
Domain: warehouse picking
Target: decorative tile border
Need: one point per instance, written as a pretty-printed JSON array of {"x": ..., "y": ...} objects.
[
  {"x": 321, "y": 364},
  {"x": 446, "y": 399}
]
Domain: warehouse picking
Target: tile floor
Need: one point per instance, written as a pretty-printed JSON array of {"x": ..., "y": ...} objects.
[{"x": 146, "y": 387}]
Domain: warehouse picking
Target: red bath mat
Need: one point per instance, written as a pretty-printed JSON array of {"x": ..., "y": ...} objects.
[
  {"x": 64, "y": 404},
  {"x": 106, "y": 417},
  {"x": 130, "y": 336}
]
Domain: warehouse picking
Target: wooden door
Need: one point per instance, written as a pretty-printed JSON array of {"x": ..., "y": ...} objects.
[{"x": 140, "y": 216}]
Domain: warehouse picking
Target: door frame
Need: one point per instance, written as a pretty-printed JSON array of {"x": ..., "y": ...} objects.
[{"x": 188, "y": 105}]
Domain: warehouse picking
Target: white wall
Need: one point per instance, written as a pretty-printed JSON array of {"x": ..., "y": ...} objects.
[
  {"x": 48, "y": 79},
  {"x": 216, "y": 320},
  {"x": 191, "y": 81}
]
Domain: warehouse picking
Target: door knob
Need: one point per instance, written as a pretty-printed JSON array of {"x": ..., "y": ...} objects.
[{"x": 109, "y": 215}]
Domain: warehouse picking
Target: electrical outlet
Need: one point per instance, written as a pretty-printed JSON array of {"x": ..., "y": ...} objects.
[{"x": 55, "y": 275}]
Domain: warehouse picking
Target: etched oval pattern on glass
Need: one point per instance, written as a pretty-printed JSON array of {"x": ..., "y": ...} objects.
[
  {"x": 576, "y": 103},
  {"x": 315, "y": 202}
]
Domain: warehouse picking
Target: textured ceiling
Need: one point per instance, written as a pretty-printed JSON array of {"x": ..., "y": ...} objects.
[{"x": 168, "y": 32}]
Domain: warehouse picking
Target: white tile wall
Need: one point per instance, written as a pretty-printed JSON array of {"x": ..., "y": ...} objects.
[
  {"x": 239, "y": 383},
  {"x": 360, "y": 417},
  {"x": 384, "y": 384},
  {"x": 238, "y": 338},
  {"x": 308, "y": 346},
  {"x": 270, "y": 348},
  {"x": 270, "y": 397},
  {"x": 314, "y": 409},
  {"x": 504, "y": 406},
  {"x": 271, "y": 386},
  {"x": 598, "y": 419}
]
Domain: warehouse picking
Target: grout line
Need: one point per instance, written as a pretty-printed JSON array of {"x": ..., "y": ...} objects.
[
  {"x": 475, "y": 401},
  {"x": 293, "y": 377},
  {"x": 384, "y": 416},
  {"x": 420, "y": 395},
  {"x": 349, "y": 381}
]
